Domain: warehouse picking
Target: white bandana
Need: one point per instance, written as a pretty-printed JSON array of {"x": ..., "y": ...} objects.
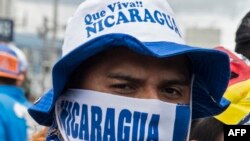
[{"x": 97, "y": 116}]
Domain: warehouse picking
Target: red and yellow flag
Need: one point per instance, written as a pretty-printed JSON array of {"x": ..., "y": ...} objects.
[{"x": 238, "y": 92}]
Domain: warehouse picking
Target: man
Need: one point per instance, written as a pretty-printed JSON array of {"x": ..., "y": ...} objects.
[
  {"x": 126, "y": 74},
  {"x": 24, "y": 84},
  {"x": 13, "y": 104}
]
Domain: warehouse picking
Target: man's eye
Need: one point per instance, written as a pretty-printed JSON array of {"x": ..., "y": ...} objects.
[
  {"x": 171, "y": 93},
  {"x": 123, "y": 88}
]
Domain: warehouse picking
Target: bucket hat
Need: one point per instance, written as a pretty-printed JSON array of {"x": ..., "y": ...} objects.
[{"x": 146, "y": 27}]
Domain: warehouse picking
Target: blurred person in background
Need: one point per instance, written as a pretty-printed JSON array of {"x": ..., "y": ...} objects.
[
  {"x": 23, "y": 82},
  {"x": 127, "y": 74},
  {"x": 14, "y": 90},
  {"x": 243, "y": 37},
  {"x": 13, "y": 104}
]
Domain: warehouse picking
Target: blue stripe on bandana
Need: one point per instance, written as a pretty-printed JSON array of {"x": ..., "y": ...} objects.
[{"x": 181, "y": 123}]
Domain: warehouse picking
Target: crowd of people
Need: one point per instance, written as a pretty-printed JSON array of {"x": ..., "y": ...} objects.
[{"x": 135, "y": 79}]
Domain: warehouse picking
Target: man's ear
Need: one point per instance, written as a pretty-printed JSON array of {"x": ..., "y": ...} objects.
[{"x": 20, "y": 81}]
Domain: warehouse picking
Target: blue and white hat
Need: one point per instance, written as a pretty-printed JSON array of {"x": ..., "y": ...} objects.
[{"x": 147, "y": 27}]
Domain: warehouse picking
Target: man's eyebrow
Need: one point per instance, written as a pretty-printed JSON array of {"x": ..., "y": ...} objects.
[
  {"x": 125, "y": 77},
  {"x": 182, "y": 82}
]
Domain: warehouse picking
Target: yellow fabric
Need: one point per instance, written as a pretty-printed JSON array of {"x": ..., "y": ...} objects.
[{"x": 239, "y": 96}]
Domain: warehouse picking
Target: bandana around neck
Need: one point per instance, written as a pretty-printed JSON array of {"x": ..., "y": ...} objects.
[{"x": 97, "y": 116}]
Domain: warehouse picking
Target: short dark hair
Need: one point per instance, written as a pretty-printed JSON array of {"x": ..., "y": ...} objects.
[
  {"x": 206, "y": 129},
  {"x": 242, "y": 37},
  {"x": 8, "y": 81},
  {"x": 244, "y": 48}
]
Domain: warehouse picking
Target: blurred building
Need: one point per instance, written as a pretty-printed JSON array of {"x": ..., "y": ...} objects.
[
  {"x": 207, "y": 37},
  {"x": 210, "y": 23},
  {"x": 207, "y": 30},
  {"x": 6, "y": 8},
  {"x": 36, "y": 35}
]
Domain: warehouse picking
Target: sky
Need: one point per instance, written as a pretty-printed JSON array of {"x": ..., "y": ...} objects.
[
  {"x": 70, "y": 2},
  {"x": 226, "y": 7},
  {"x": 229, "y": 8},
  {"x": 223, "y": 14}
]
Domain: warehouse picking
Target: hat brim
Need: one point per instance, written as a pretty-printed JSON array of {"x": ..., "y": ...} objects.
[
  {"x": 210, "y": 67},
  {"x": 11, "y": 76}
]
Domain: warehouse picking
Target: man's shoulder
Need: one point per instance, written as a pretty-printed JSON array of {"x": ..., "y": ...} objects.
[
  {"x": 11, "y": 109},
  {"x": 5, "y": 98},
  {"x": 6, "y": 102}
]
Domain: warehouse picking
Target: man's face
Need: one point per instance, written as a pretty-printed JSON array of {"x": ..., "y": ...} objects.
[{"x": 122, "y": 72}]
